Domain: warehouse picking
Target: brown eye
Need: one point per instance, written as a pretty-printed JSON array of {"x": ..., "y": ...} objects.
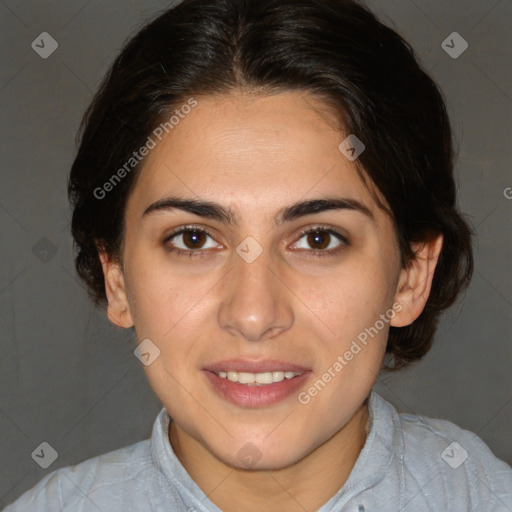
[
  {"x": 190, "y": 241},
  {"x": 193, "y": 239},
  {"x": 319, "y": 239}
]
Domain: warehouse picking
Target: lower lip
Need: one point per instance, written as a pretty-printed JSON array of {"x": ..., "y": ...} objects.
[{"x": 255, "y": 396}]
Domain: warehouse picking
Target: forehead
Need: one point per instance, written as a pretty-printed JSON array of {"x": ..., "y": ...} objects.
[{"x": 254, "y": 152}]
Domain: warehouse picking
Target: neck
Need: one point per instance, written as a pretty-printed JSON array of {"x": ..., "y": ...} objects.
[{"x": 305, "y": 485}]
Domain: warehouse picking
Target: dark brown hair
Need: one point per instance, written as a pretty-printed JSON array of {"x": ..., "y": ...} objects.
[{"x": 335, "y": 49}]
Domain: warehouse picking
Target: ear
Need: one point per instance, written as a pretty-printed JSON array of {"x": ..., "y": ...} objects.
[
  {"x": 118, "y": 309},
  {"x": 415, "y": 281}
]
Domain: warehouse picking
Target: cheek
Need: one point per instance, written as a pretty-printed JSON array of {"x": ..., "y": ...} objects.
[
  {"x": 161, "y": 299},
  {"x": 349, "y": 298},
  {"x": 174, "y": 313},
  {"x": 354, "y": 346}
]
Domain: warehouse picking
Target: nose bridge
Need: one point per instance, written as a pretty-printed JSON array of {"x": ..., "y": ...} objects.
[
  {"x": 253, "y": 277},
  {"x": 253, "y": 303}
]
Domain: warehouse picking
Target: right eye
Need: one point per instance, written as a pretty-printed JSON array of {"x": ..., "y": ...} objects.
[{"x": 190, "y": 240}]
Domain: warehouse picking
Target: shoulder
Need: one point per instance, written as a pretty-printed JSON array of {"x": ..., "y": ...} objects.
[
  {"x": 455, "y": 460},
  {"x": 118, "y": 474}
]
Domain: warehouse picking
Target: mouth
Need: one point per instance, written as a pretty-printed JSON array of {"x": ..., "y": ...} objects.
[
  {"x": 257, "y": 379},
  {"x": 255, "y": 384}
]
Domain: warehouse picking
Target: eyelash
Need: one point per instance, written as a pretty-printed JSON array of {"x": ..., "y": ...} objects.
[{"x": 319, "y": 253}]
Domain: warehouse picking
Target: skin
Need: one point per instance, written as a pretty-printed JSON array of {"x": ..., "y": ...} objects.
[{"x": 256, "y": 154}]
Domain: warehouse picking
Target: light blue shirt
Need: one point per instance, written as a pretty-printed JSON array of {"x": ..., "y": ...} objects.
[{"x": 409, "y": 463}]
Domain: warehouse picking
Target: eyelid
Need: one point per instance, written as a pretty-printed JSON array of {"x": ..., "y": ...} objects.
[
  {"x": 186, "y": 229},
  {"x": 344, "y": 241},
  {"x": 317, "y": 227}
]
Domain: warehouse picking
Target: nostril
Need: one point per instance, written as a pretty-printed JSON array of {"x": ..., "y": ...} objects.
[{"x": 360, "y": 508}]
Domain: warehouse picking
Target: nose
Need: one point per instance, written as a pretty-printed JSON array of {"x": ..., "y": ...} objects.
[{"x": 255, "y": 303}]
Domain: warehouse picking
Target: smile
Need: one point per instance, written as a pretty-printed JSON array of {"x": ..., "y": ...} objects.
[
  {"x": 257, "y": 379},
  {"x": 252, "y": 390}
]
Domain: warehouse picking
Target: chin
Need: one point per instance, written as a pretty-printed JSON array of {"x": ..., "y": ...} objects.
[{"x": 262, "y": 456}]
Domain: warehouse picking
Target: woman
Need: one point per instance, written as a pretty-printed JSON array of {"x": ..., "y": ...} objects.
[{"x": 264, "y": 191}]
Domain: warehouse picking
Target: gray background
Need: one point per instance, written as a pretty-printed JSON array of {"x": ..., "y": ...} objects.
[{"x": 69, "y": 378}]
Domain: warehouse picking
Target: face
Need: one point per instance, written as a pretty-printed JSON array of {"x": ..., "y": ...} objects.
[{"x": 256, "y": 295}]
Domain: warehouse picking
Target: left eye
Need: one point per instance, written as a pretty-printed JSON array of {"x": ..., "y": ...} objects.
[{"x": 321, "y": 239}]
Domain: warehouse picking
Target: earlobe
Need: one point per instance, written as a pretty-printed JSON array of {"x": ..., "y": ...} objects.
[
  {"x": 118, "y": 309},
  {"x": 415, "y": 281}
]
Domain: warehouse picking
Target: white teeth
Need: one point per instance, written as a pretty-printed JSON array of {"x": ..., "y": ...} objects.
[
  {"x": 257, "y": 379},
  {"x": 264, "y": 378},
  {"x": 277, "y": 376},
  {"x": 232, "y": 376},
  {"x": 246, "y": 378}
]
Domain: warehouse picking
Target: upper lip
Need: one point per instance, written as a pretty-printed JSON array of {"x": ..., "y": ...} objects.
[{"x": 246, "y": 365}]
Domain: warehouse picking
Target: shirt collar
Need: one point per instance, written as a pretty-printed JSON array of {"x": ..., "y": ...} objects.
[
  {"x": 383, "y": 445},
  {"x": 171, "y": 468}
]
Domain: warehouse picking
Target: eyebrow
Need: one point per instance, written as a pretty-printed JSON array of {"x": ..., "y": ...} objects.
[{"x": 215, "y": 211}]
